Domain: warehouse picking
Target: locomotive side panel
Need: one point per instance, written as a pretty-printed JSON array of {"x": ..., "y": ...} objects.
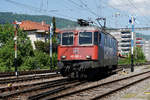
[
  {"x": 107, "y": 50},
  {"x": 77, "y": 53},
  {"x": 101, "y": 49}
]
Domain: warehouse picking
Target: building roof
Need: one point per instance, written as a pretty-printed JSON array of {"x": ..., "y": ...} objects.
[{"x": 29, "y": 25}]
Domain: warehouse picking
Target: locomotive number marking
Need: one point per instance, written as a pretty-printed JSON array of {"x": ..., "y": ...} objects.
[{"x": 75, "y": 50}]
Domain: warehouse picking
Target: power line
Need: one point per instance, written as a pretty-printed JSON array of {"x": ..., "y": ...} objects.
[
  {"x": 83, "y": 7},
  {"x": 86, "y": 6},
  {"x": 41, "y": 6},
  {"x": 38, "y": 9},
  {"x": 47, "y": 4},
  {"x": 109, "y": 5},
  {"x": 28, "y": 6},
  {"x": 76, "y": 4}
]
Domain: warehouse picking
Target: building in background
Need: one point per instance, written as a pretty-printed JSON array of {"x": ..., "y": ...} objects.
[
  {"x": 139, "y": 40},
  {"x": 36, "y": 31},
  {"x": 144, "y": 43},
  {"x": 146, "y": 49},
  {"x": 124, "y": 41}
]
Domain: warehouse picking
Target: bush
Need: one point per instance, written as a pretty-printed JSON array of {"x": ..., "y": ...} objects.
[
  {"x": 40, "y": 60},
  {"x": 138, "y": 57}
]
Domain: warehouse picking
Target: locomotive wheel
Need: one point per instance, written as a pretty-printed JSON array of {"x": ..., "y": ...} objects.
[{"x": 62, "y": 71}]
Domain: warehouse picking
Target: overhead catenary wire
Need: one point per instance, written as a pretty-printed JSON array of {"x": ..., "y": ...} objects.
[
  {"x": 99, "y": 7},
  {"x": 54, "y": 11},
  {"x": 88, "y": 9},
  {"x": 41, "y": 5},
  {"x": 83, "y": 6}
]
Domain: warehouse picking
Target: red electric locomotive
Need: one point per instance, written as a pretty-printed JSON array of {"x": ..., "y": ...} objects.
[{"x": 85, "y": 51}]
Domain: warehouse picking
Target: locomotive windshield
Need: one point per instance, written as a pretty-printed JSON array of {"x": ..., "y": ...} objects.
[
  {"x": 85, "y": 38},
  {"x": 67, "y": 38}
]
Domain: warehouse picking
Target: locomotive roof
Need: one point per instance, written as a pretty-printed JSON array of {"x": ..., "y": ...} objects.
[
  {"x": 87, "y": 28},
  {"x": 81, "y": 28}
]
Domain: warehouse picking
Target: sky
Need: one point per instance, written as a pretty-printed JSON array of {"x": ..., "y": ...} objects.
[{"x": 116, "y": 12}]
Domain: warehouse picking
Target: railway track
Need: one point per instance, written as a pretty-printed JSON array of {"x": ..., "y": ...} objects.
[
  {"x": 27, "y": 78},
  {"x": 8, "y": 74},
  {"x": 45, "y": 89},
  {"x": 66, "y": 89},
  {"x": 17, "y": 87},
  {"x": 100, "y": 90},
  {"x": 51, "y": 92},
  {"x": 35, "y": 89}
]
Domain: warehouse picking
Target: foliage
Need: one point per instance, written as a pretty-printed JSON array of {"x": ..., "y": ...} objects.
[
  {"x": 40, "y": 60},
  {"x": 27, "y": 58},
  {"x": 44, "y": 46},
  {"x": 138, "y": 57},
  {"x": 6, "y": 33},
  {"x": 137, "y": 54},
  {"x": 7, "y": 56},
  {"x": 54, "y": 24},
  {"x": 24, "y": 47}
]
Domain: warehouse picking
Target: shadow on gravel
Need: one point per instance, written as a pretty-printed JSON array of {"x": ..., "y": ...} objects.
[{"x": 97, "y": 77}]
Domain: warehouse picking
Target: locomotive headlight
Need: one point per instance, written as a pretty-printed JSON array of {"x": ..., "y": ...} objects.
[
  {"x": 88, "y": 57},
  {"x": 63, "y": 57}
]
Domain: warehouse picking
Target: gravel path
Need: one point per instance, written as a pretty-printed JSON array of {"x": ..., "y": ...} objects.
[
  {"x": 140, "y": 91},
  {"x": 120, "y": 94}
]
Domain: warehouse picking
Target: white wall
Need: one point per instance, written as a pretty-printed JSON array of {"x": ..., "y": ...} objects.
[{"x": 34, "y": 36}]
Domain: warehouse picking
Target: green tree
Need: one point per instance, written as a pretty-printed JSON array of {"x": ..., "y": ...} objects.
[
  {"x": 7, "y": 57},
  {"x": 54, "y": 39},
  {"x": 6, "y": 33},
  {"x": 40, "y": 60},
  {"x": 137, "y": 54},
  {"x": 42, "y": 46},
  {"x": 138, "y": 57},
  {"x": 24, "y": 47}
]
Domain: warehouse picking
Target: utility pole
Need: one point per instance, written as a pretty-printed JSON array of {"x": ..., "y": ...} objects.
[
  {"x": 15, "y": 46},
  {"x": 132, "y": 43},
  {"x": 51, "y": 45}
]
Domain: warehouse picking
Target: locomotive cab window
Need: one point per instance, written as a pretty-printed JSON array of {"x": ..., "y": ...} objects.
[
  {"x": 95, "y": 38},
  {"x": 85, "y": 38},
  {"x": 100, "y": 37},
  {"x": 67, "y": 38},
  {"x": 58, "y": 38}
]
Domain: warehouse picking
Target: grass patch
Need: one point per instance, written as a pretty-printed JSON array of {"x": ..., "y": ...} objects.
[
  {"x": 124, "y": 61},
  {"x": 129, "y": 95}
]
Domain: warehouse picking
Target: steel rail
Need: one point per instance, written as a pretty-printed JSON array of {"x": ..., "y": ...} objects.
[
  {"x": 12, "y": 88},
  {"x": 8, "y": 74},
  {"x": 53, "y": 84},
  {"x": 99, "y": 85},
  {"x": 29, "y": 78}
]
